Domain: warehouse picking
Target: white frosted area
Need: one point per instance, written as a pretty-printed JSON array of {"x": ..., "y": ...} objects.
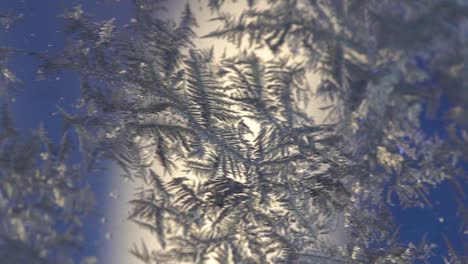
[
  {"x": 124, "y": 233},
  {"x": 121, "y": 233}
]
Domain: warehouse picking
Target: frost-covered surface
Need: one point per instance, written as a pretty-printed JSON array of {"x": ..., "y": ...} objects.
[
  {"x": 43, "y": 199},
  {"x": 390, "y": 68},
  {"x": 268, "y": 180},
  {"x": 233, "y": 167}
]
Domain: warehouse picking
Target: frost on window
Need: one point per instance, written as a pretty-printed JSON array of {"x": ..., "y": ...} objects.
[
  {"x": 7, "y": 19},
  {"x": 43, "y": 198},
  {"x": 106, "y": 31},
  {"x": 234, "y": 167}
]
